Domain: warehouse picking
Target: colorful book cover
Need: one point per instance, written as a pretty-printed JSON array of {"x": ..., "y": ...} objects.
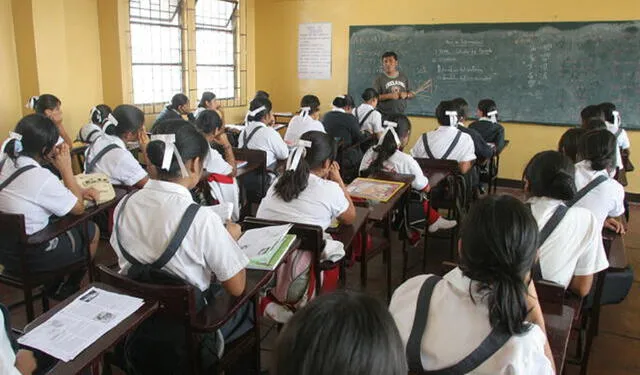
[{"x": 377, "y": 190}]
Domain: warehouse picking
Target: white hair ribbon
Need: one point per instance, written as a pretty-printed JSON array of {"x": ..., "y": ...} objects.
[
  {"x": 111, "y": 121},
  {"x": 616, "y": 118},
  {"x": 255, "y": 112},
  {"x": 492, "y": 115},
  {"x": 60, "y": 141},
  {"x": 31, "y": 104},
  {"x": 17, "y": 144},
  {"x": 297, "y": 153},
  {"x": 390, "y": 128},
  {"x": 453, "y": 117},
  {"x": 94, "y": 110},
  {"x": 304, "y": 111},
  {"x": 170, "y": 149}
]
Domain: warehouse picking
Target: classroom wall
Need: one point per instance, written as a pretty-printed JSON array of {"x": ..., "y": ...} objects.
[
  {"x": 276, "y": 50},
  {"x": 10, "y": 93}
]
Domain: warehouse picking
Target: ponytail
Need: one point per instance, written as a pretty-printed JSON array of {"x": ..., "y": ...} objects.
[
  {"x": 551, "y": 174},
  {"x": 188, "y": 142},
  {"x": 126, "y": 118},
  {"x": 599, "y": 147},
  {"x": 343, "y": 101},
  {"x": 259, "y": 108},
  {"x": 43, "y": 102},
  {"x": 369, "y": 94},
  {"x": 388, "y": 144},
  {"x": 485, "y": 106},
  {"x": 35, "y": 136}
]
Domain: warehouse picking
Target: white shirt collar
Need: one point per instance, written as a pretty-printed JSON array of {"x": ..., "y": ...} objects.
[
  {"x": 447, "y": 128},
  {"x": 168, "y": 187},
  {"x": 23, "y": 161},
  {"x": 463, "y": 283},
  {"x": 257, "y": 123},
  {"x": 484, "y": 119},
  {"x": 336, "y": 109},
  {"x": 585, "y": 168},
  {"x": 366, "y": 105}
]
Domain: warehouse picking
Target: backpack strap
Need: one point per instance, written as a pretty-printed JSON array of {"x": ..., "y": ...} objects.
[
  {"x": 585, "y": 190},
  {"x": 365, "y": 116},
  {"x": 89, "y": 166},
  {"x": 246, "y": 139},
  {"x": 545, "y": 232},
  {"x": 453, "y": 145},
  {"x": 618, "y": 132},
  {"x": 15, "y": 174},
  {"x": 174, "y": 244},
  {"x": 489, "y": 346},
  {"x": 426, "y": 146}
]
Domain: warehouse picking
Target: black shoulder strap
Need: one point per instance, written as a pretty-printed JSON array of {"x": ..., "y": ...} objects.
[
  {"x": 585, "y": 190},
  {"x": 365, "y": 116},
  {"x": 15, "y": 174},
  {"x": 546, "y": 231},
  {"x": 426, "y": 146},
  {"x": 89, "y": 166},
  {"x": 246, "y": 139},
  {"x": 174, "y": 244},
  {"x": 618, "y": 132},
  {"x": 489, "y": 346},
  {"x": 453, "y": 145}
]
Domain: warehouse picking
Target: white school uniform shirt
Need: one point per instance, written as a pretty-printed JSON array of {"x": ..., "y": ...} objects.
[
  {"x": 574, "y": 247},
  {"x": 399, "y": 162},
  {"x": 300, "y": 125},
  {"x": 318, "y": 204},
  {"x": 223, "y": 192},
  {"x": 119, "y": 164},
  {"x": 37, "y": 194},
  {"x": 440, "y": 140},
  {"x": 622, "y": 139},
  {"x": 373, "y": 123},
  {"x": 7, "y": 356},
  {"x": 215, "y": 163},
  {"x": 605, "y": 200},
  {"x": 267, "y": 140},
  {"x": 456, "y": 326},
  {"x": 149, "y": 221}
]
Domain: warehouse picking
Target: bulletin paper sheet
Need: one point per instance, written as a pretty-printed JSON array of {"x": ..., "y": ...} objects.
[
  {"x": 314, "y": 51},
  {"x": 79, "y": 324}
]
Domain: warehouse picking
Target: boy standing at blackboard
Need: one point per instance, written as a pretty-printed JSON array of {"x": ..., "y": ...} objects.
[{"x": 393, "y": 86}]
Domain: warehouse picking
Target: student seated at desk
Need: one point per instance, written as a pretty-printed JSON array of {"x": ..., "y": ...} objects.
[
  {"x": 590, "y": 112},
  {"x": 368, "y": 117},
  {"x": 208, "y": 102},
  {"x": 258, "y": 135},
  {"x": 342, "y": 333},
  {"x": 597, "y": 124},
  {"x": 489, "y": 294},
  {"x": 108, "y": 154},
  {"x": 306, "y": 120},
  {"x": 568, "y": 143},
  {"x": 487, "y": 124},
  {"x": 29, "y": 189},
  {"x": 146, "y": 221},
  {"x": 222, "y": 168},
  {"x": 101, "y": 116},
  {"x": 482, "y": 149},
  {"x": 573, "y": 252},
  {"x": 178, "y": 107},
  {"x": 342, "y": 125},
  {"x": 597, "y": 150},
  {"x": 446, "y": 142},
  {"x": 50, "y": 106},
  {"x": 387, "y": 156}
]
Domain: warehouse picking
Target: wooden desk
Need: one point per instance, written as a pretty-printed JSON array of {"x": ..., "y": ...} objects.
[
  {"x": 104, "y": 343},
  {"x": 558, "y": 327},
  {"x": 255, "y": 159},
  {"x": 347, "y": 234},
  {"x": 616, "y": 252}
]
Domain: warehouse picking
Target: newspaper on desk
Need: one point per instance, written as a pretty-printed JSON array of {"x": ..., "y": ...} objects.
[{"x": 79, "y": 324}]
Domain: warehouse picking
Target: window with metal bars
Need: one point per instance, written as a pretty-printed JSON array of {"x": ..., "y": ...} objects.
[
  {"x": 156, "y": 50},
  {"x": 216, "y": 62}
]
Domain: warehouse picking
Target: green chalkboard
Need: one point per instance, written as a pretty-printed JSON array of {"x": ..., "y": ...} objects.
[{"x": 542, "y": 73}]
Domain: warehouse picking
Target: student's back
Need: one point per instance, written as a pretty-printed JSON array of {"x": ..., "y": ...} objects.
[
  {"x": 487, "y": 125},
  {"x": 343, "y": 126},
  {"x": 258, "y": 136}
]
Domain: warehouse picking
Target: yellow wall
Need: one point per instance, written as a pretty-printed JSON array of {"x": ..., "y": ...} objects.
[
  {"x": 10, "y": 93},
  {"x": 276, "y": 50}
]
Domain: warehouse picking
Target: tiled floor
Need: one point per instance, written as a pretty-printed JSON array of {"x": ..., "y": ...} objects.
[{"x": 616, "y": 350}]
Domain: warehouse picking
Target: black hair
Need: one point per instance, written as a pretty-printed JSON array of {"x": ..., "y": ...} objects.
[
  {"x": 499, "y": 245},
  {"x": 594, "y": 124},
  {"x": 178, "y": 100},
  {"x": 342, "y": 332},
  {"x": 99, "y": 116},
  {"x": 462, "y": 107},
  {"x": 388, "y": 146},
  {"x": 39, "y": 137},
  {"x": 607, "y": 110},
  {"x": 292, "y": 183},
  {"x": 568, "y": 144},
  {"x": 441, "y": 109},
  {"x": 208, "y": 121},
  {"x": 261, "y": 94},
  {"x": 343, "y": 101},
  {"x": 551, "y": 174},
  {"x": 590, "y": 112},
  {"x": 207, "y": 96},
  {"x": 599, "y": 147},
  {"x": 256, "y": 103},
  {"x": 370, "y": 94},
  {"x": 487, "y": 105},
  {"x": 190, "y": 143},
  {"x": 390, "y": 54},
  {"x": 130, "y": 119},
  {"x": 46, "y": 101},
  {"x": 312, "y": 102}
]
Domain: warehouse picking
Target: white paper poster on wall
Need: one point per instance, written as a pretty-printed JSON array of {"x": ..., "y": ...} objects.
[{"x": 314, "y": 51}]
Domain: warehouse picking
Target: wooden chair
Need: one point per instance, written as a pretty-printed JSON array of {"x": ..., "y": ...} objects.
[
  {"x": 13, "y": 236},
  {"x": 494, "y": 169},
  {"x": 178, "y": 302}
]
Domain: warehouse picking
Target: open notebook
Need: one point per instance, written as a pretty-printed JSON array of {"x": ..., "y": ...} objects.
[{"x": 266, "y": 246}]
